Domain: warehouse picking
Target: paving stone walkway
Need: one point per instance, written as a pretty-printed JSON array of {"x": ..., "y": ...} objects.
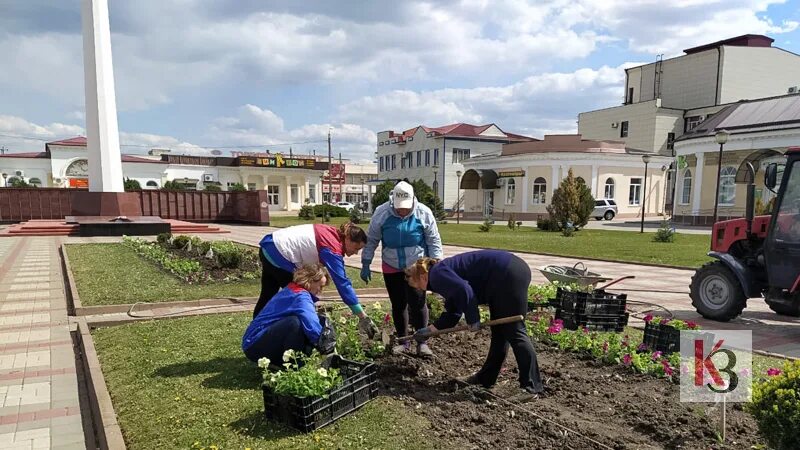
[{"x": 39, "y": 403}]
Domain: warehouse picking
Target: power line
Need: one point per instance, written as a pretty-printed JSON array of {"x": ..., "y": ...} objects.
[{"x": 318, "y": 141}]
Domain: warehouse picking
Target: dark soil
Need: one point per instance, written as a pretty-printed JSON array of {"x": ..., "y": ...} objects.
[
  {"x": 250, "y": 263},
  {"x": 607, "y": 404}
]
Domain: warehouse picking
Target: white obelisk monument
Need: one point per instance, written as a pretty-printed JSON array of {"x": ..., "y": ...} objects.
[{"x": 102, "y": 133}]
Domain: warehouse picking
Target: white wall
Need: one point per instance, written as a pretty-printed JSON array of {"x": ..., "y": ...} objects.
[
  {"x": 144, "y": 172},
  {"x": 31, "y": 168},
  {"x": 753, "y": 72}
]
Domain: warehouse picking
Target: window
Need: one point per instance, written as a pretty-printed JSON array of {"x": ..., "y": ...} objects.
[
  {"x": 511, "y": 191},
  {"x": 630, "y": 95},
  {"x": 294, "y": 193},
  {"x": 635, "y": 193},
  {"x": 380, "y": 162},
  {"x": 460, "y": 154},
  {"x": 427, "y": 158},
  {"x": 251, "y": 186},
  {"x": 599, "y": 203},
  {"x": 539, "y": 191},
  {"x": 623, "y": 129},
  {"x": 394, "y": 162},
  {"x": 670, "y": 141},
  {"x": 612, "y": 203},
  {"x": 409, "y": 160},
  {"x": 787, "y": 227},
  {"x": 435, "y": 156},
  {"x": 312, "y": 193},
  {"x": 686, "y": 187},
  {"x": 690, "y": 123},
  {"x": 419, "y": 158},
  {"x": 151, "y": 184},
  {"x": 727, "y": 186},
  {"x": 609, "y": 190},
  {"x": 273, "y": 193},
  {"x": 402, "y": 161}
]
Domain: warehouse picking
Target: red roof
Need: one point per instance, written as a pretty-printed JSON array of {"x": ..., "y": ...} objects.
[
  {"x": 77, "y": 141},
  {"x": 460, "y": 129},
  {"x": 138, "y": 159},
  {"x": 26, "y": 155}
]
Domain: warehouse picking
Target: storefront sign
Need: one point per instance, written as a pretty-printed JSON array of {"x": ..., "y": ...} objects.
[
  {"x": 337, "y": 188},
  {"x": 278, "y": 161},
  {"x": 510, "y": 173},
  {"x": 336, "y": 174},
  {"x": 79, "y": 182}
]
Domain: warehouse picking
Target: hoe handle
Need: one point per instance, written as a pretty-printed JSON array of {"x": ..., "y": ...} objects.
[{"x": 490, "y": 323}]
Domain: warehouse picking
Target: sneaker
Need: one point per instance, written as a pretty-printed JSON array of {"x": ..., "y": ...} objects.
[
  {"x": 423, "y": 350},
  {"x": 401, "y": 348}
]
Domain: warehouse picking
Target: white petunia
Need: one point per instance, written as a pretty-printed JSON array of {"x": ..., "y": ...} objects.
[
  {"x": 263, "y": 363},
  {"x": 288, "y": 354},
  {"x": 322, "y": 372}
]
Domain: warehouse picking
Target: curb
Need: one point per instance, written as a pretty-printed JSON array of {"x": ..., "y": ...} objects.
[
  {"x": 73, "y": 299},
  {"x": 106, "y": 428}
]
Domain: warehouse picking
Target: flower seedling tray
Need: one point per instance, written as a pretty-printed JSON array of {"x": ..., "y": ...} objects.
[
  {"x": 665, "y": 338},
  {"x": 312, "y": 413},
  {"x": 597, "y": 302},
  {"x": 594, "y": 322}
]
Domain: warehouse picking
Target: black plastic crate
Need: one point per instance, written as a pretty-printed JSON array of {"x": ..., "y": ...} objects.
[
  {"x": 312, "y": 413},
  {"x": 666, "y": 339},
  {"x": 594, "y": 322},
  {"x": 590, "y": 303}
]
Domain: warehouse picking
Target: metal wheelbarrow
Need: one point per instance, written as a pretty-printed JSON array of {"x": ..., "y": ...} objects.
[{"x": 569, "y": 275}]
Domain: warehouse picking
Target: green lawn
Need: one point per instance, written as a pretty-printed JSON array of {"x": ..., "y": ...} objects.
[
  {"x": 180, "y": 383},
  {"x": 112, "y": 274},
  {"x": 688, "y": 250}
]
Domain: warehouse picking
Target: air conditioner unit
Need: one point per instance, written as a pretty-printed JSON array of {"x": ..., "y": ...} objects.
[
  {"x": 208, "y": 177},
  {"x": 792, "y": 90},
  {"x": 614, "y": 124},
  {"x": 57, "y": 180},
  {"x": 19, "y": 173}
]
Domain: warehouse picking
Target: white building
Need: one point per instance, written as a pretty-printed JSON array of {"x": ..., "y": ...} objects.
[
  {"x": 667, "y": 98},
  {"x": 289, "y": 180},
  {"x": 435, "y": 155},
  {"x": 521, "y": 178}
]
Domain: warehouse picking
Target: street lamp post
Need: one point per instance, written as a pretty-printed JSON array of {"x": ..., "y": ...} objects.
[
  {"x": 646, "y": 159},
  {"x": 435, "y": 185},
  {"x": 458, "y": 197},
  {"x": 362, "y": 194},
  {"x": 5, "y": 179},
  {"x": 721, "y": 137}
]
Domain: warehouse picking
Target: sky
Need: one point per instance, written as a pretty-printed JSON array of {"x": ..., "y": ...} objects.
[{"x": 251, "y": 75}]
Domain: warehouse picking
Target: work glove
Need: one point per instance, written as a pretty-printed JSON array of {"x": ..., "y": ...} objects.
[
  {"x": 366, "y": 274},
  {"x": 474, "y": 326},
  {"x": 367, "y": 326},
  {"x": 327, "y": 339},
  {"x": 422, "y": 335}
]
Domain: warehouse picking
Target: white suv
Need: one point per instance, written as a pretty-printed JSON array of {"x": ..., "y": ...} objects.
[{"x": 604, "y": 209}]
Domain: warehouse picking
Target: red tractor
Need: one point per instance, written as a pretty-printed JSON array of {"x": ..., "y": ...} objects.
[{"x": 755, "y": 256}]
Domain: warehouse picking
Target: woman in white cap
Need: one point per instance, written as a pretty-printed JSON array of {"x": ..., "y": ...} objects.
[{"x": 406, "y": 230}]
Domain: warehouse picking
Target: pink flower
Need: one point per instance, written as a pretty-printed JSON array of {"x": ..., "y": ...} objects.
[
  {"x": 665, "y": 322},
  {"x": 605, "y": 347},
  {"x": 667, "y": 368},
  {"x": 558, "y": 322},
  {"x": 387, "y": 318},
  {"x": 642, "y": 347},
  {"x": 648, "y": 318},
  {"x": 626, "y": 359},
  {"x": 585, "y": 330},
  {"x": 656, "y": 355},
  {"x": 691, "y": 325},
  {"x": 773, "y": 371}
]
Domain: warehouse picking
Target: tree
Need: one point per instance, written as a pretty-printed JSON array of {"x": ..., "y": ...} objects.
[
  {"x": 172, "y": 186},
  {"x": 18, "y": 183},
  {"x": 572, "y": 203},
  {"x": 382, "y": 194},
  {"x": 212, "y": 188},
  {"x": 237, "y": 187},
  {"x": 132, "y": 185}
]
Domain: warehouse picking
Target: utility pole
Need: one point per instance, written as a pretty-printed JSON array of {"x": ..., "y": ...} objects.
[
  {"x": 330, "y": 170},
  {"x": 341, "y": 179}
]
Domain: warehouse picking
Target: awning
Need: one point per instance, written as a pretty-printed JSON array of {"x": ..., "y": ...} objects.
[
  {"x": 479, "y": 179},
  {"x": 743, "y": 173}
]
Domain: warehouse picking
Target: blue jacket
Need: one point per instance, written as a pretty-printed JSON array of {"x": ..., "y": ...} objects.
[
  {"x": 403, "y": 240},
  {"x": 292, "y": 300},
  {"x": 466, "y": 280}
]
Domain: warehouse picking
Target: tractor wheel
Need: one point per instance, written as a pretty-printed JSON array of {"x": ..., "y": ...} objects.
[
  {"x": 716, "y": 293},
  {"x": 785, "y": 309}
]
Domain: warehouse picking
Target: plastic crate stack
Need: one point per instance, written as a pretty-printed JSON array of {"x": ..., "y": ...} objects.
[{"x": 597, "y": 310}]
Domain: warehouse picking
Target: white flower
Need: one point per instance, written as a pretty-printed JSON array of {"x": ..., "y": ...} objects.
[
  {"x": 342, "y": 320},
  {"x": 288, "y": 354},
  {"x": 322, "y": 372},
  {"x": 263, "y": 363},
  {"x": 273, "y": 379}
]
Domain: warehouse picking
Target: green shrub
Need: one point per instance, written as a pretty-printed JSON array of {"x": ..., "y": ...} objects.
[
  {"x": 131, "y": 185},
  {"x": 486, "y": 226},
  {"x": 356, "y": 216},
  {"x": 173, "y": 186},
  {"x": 330, "y": 210},
  {"x": 776, "y": 407},
  {"x": 572, "y": 203},
  {"x": 568, "y": 231},
  {"x": 546, "y": 224},
  {"x": 181, "y": 241},
  {"x": 212, "y": 188},
  {"x": 163, "y": 239},
  {"x": 665, "y": 233},
  {"x": 306, "y": 212},
  {"x": 237, "y": 187}
]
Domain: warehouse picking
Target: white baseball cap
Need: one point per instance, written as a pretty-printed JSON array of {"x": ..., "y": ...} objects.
[{"x": 403, "y": 196}]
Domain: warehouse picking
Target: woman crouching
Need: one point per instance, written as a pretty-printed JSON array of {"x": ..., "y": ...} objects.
[
  {"x": 290, "y": 320},
  {"x": 498, "y": 279}
]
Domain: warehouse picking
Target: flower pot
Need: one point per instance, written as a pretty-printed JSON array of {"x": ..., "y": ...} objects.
[{"x": 312, "y": 413}]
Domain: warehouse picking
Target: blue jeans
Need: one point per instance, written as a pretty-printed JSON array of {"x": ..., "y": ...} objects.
[{"x": 282, "y": 335}]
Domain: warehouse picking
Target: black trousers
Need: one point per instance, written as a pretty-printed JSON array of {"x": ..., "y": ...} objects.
[
  {"x": 511, "y": 299},
  {"x": 282, "y": 335},
  {"x": 272, "y": 280},
  {"x": 406, "y": 302}
]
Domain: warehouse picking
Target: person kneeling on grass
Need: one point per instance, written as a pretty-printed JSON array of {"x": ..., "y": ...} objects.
[
  {"x": 290, "y": 320},
  {"x": 498, "y": 279}
]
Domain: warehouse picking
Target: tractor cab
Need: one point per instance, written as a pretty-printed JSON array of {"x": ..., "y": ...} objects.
[{"x": 756, "y": 256}]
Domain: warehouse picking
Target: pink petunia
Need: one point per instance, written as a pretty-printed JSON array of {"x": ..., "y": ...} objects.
[
  {"x": 648, "y": 318},
  {"x": 585, "y": 330},
  {"x": 667, "y": 368},
  {"x": 665, "y": 322},
  {"x": 627, "y": 359},
  {"x": 773, "y": 371},
  {"x": 387, "y": 318},
  {"x": 605, "y": 347},
  {"x": 656, "y": 355},
  {"x": 691, "y": 325},
  {"x": 642, "y": 347}
]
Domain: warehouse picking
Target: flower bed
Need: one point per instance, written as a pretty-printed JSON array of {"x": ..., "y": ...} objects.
[
  {"x": 307, "y": 396},
  {"x": 194, "y": 260}
]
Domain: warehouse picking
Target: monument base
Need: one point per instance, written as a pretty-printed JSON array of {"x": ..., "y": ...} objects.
[
  {"x": 85, "y": 203},
  {"x": 118, "y": 225}
]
